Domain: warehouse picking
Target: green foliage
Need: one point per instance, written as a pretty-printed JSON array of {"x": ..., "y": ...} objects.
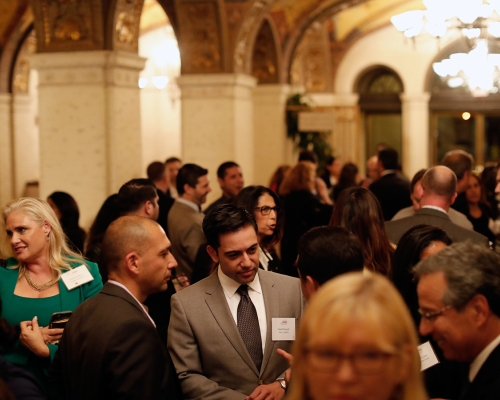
[{"x": 313, "y": 141}]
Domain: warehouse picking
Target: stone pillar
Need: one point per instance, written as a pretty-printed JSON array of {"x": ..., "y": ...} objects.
[
  {"x": 217, "y": 123},
  {"x": 25, "y": 137},
  {"x": 89, "y": 119},
  {"x": 415, "y": 140},
  {"x": 270, "y": 130},
  {"x": 6, "y": 164}
]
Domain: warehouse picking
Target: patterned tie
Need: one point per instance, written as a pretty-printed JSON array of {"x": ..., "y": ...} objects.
[{"x": 248, "y": 325}]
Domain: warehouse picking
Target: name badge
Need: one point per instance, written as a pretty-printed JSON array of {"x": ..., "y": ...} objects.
[
  {"x": 77, "y": 277},
  {"x": 283, "y": 329},
  {"x": 427, "y": 356}
]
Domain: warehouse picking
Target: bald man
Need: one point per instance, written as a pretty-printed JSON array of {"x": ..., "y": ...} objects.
[{"x": 110, "y": 348}]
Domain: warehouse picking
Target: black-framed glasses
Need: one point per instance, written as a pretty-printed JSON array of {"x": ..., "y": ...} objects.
[
  {"x": 363, "y": 362},
  {"x": 431, "y": 316},
  {"x": 266, "y": 210}
]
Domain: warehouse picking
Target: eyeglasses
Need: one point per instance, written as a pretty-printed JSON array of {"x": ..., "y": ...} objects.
[
  {"x": 431, "y": 316},
  {"x": 365, "y": 362},
  {"x": 266, "y": 210}
]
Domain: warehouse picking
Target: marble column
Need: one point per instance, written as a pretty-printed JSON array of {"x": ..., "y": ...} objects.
[
  {"x": 25, "y": 143},
  {"x": 217, "y": 123},
  {"x": 6, "y": 164},
  {"x": 415, "y": 140},
  {"x": 269, "y": 103},
  {"x": 89, "y": 120}
]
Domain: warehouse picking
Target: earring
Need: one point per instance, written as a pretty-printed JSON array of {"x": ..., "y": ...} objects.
[{"x": 47, "y": 236}]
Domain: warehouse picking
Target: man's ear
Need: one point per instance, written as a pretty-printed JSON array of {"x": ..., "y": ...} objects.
[
  {"x": 187, "y": 189},
  {"x": 454, "y": 197},
  {"x": 213, "y": 254},
  {"x": 480, "y": 309},
  {"x": 420, "y": 191},
  {"x": 148, "y": 208},
  {"x": 309, "y": 286},
  {"x": 132, "y": 261}
]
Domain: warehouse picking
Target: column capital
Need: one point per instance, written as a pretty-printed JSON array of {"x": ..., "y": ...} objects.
[
  {"x": 119, "y": 68},
  {"x": 216, "y": 85},
  {"x": 415, "y": 97}
]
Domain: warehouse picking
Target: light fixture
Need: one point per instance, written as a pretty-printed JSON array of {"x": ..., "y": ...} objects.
[{"x": 478, "y": 23}]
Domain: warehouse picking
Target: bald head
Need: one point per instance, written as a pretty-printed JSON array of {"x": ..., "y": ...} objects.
[
  {"x": 125, "y": 235},
  {"x": 440, "y": 182}
]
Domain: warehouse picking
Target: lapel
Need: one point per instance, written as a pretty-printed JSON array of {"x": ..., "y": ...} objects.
[
  {"x": 217, "y": 303},
  {"x": 487, "y": 374},
  {"x": 272, "y": 305}
]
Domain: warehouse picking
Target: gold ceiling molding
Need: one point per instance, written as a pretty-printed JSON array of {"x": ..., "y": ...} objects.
[{"x": 127, "y": 24}]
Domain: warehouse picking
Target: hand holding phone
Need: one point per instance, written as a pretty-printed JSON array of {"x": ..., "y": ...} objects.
[{"x": 58, "y": 320}]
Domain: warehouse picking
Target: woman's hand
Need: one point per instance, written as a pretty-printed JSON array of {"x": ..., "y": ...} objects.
[
  {"x": 51, "y": 335},
  {"x": 32, "y": 338}
]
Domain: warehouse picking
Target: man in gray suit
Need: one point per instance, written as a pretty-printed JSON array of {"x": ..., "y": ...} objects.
[
  {"x": 185, "y": 218},
  {"x": 437, "y": 192},
  {"x": 215, "y": 358}
]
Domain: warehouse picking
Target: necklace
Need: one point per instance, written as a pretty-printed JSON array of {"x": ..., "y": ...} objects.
[{"x": 39, "y": 288}]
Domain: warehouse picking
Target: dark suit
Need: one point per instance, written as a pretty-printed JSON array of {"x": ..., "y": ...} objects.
[
  {"x": 429, "y": 216},
  {"x": 392, "y": 192},
  {"x": 486, "y": 384},
  {"x": 111, "y": 350},
  {"x": 218, "y": 202},
  {"x": 210, "y": 357},
  {"x": 165, "y": 202}
]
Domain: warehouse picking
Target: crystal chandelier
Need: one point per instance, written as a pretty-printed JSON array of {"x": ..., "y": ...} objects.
[{"x": 478, "y": 23}]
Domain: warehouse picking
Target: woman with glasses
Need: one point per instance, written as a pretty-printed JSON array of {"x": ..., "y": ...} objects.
[
  {"x": 264, "y": 204},
  {"x": 356, "y": 341}
]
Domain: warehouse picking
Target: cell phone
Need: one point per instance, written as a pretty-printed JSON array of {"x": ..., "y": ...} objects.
[{"x": 59, "y": 319}]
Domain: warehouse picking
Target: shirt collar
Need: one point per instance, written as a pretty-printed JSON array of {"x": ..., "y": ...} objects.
[
  {"x": 194, "y": 206},
  {"x": 130, "y": 293},
  {"x": 482, "y": 357},
  {"x": 230, "y": 286},
  {"x": 388, "y": 171},
  {"x": 436, "y": 208}
]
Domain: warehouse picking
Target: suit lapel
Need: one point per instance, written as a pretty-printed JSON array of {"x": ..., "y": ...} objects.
[
  {"x": 271, "y": 303},
  {"x": 217, "y": 303}
]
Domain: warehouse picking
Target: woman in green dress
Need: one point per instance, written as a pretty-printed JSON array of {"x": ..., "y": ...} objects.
[{"x": 33, "y": 284}]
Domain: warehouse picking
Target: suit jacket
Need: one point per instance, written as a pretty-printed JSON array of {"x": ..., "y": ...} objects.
[
  {"x": 111, "y": 350},
  {"x": 186, "y": 235},
  {"x": 429, "y": 216},
  {"x": 455, "y": 217},
  {"x": 486, "y": 384},
  {"x": 206, "y": 347},
  {"x": 393, "y": 194},
  {"x": 165, "y": 202}
]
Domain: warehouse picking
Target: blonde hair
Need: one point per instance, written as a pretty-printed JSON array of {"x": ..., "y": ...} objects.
[
  {"x": 60, "y": 255},
  {"x": 300, "y": 177},
  {"x": 356, "y": 297}
]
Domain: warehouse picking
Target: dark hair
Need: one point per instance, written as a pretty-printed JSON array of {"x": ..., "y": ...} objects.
[
  {"x": 249, "y": 198},
  {"x": 133, "y": 194},
  {"x": 156, "y": 170},
  {"x": 329, "y": 160},
  {"x": 308, "y": 155},
  {"x": 226, "y": 218},
  {"x": 347, "y": 178},
  {"x": 328, "y": 251},
  {"x": 359, "y": 211},
  {"x": 221, "y": 171},
  {"x": 70, "y": 216},
  {"x": 172, "y": 159},
  {"x": 458, "y": 161},
  {"x": 416, "y": 178},
  {"x": 389, "y": 158},
  {"x": 407, "y": 255},
  {"x": 188, "y": 175},
  {"x": 489, "y": 177}
]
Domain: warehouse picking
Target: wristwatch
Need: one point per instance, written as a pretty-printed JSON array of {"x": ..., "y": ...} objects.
[{"x": 282, "y": 382}]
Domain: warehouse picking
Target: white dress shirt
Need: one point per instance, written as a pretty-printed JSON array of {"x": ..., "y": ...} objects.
[
  {"x": 230, "y": 287},
  {"x": 482, "y": 357}
]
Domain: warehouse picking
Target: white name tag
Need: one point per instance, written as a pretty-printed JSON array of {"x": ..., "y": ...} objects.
[
  {"x": 77, "y": 277},
  {"x": 283, "y": 329},
  {"x": 427, "y": 356}
]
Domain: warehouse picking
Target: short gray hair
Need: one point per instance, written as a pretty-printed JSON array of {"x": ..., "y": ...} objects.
[{"x": 469, "y": 269}]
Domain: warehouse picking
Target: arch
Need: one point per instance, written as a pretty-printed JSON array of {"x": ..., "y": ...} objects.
[
  {"x": 323, "y": 11},
  {"x": 266, "y": 59},
  {"x": 379, "y": 88}
]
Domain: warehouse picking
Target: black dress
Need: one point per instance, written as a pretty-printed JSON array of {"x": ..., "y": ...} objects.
[
  {"x": 481, "y": 224},
  {"x": 302, "y": 211}
]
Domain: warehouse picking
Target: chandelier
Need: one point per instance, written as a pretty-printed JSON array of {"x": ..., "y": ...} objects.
[{"x": 478, "y": 24}]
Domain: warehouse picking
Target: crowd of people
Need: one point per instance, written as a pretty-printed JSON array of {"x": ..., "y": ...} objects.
[{"x": 322, "y": 285}]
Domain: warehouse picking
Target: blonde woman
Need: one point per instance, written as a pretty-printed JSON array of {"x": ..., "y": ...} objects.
[
  {"x": 31, "y": 288},
  {"x": 357, "y": 341}
]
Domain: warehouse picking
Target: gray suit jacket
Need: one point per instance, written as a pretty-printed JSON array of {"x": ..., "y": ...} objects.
[
  {"x": 206, "y": 347},
  {"x": 186, "y": 235},
  {"x": 429, "y": 216},
  {"x": 455, "y": 217}
]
